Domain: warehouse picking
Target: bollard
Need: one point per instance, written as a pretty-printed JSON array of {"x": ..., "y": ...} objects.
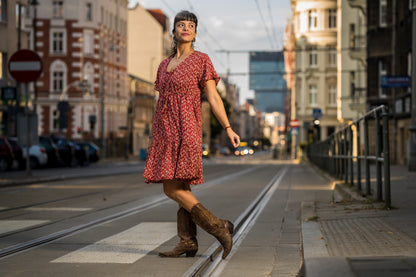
[{"x": 386, "y": 158}]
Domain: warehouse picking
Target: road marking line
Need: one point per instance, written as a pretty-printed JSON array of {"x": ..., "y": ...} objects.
[
  {"x": 126, "y": 247},
  {"x": 14, "y": 225},
  {"x": 58, "y": 209}
]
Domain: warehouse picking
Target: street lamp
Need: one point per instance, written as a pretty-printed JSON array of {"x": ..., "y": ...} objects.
[
  {"x": 34, "y": 4},
  {"x": 412, "y": 125}
]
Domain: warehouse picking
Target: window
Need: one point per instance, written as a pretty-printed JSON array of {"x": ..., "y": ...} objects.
[
  {"x": 332, "y": 95},
  {"x": 88, "y": 42},
  {"x": 332, "y": 18},
  {"x": 352, "y": 84},
  {"x": 58, "y": 80},
  {"x": 3, "y": 10},
  {"x": 382, "y": 71},
  {"x": 58, "y": 42},
  {"x": 102, "y": 15},
  {"x": 313, "y": 20},
  {"x": 89, "y": 12},
  {"x": 313, "y": 94},
  {"x": 58, "y": 71},
  {"x": 383, "y": 13},
  {"x": 409, "y": 63},
  {"x": 3, "y": 65},
  {"x": 332, "y": 57},
  {"x": 313, "y": 58},
  {"x": 58, "y": 8}
]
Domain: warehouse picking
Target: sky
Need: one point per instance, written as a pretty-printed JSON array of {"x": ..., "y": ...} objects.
[{"x": 237, "y": 26}]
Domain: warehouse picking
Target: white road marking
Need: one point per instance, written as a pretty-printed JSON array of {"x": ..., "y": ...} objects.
[
  {"x": 126, "y": 247},
  {"x": 58, "y": 209},
  {"x": 14, "y": 225}
]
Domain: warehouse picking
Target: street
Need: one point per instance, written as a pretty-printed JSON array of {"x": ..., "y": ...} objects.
[{"x": 116, "y": 224}]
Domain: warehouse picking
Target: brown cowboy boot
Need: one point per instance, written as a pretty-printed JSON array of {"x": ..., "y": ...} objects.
[
  {"x": 219, "y": 228},
  {"x": 187, "y": 232}
]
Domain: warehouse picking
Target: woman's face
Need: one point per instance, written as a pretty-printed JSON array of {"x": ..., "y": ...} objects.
[{"x": 185, "y": 31}]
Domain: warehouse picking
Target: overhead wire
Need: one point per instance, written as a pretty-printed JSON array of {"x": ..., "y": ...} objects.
[
  {"x": 206, "y": 44},
  {"x": 265, "y": 25},
  {"x": 274, "y": 29}
]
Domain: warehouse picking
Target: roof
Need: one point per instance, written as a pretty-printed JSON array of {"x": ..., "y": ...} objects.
[{"x": 159, "y": 16}]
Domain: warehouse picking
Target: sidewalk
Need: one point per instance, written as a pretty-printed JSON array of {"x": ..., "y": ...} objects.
[{"x": 352, "y": 236}]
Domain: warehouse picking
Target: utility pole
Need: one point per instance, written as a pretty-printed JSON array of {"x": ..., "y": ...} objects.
[
  {"x": 103, "y": 142},
  {"x": 412, "y": 125}
]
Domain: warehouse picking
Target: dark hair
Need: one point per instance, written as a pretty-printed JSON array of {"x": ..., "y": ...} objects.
[{"x": 182, "y": 16}]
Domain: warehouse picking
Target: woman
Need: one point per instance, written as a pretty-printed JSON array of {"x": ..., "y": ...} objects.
[{"x": 175, "y": 153}]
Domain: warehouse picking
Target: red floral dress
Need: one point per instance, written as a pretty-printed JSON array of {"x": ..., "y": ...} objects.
[{"x": 176, "y": 150}]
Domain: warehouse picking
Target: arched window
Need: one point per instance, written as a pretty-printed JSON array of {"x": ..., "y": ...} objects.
[{"x": 58, "y": 76}]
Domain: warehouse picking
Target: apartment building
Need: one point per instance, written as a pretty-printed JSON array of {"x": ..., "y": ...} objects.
[
  {"x": 83, "y": 45},
  {"x": 315, "y": 85},
  {"x": 9, "y": 34}
]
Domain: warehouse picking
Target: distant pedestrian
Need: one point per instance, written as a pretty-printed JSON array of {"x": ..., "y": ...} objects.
[{"x": 175, "y": 152}]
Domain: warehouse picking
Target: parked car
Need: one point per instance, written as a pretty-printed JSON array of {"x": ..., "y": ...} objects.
[
  {"x": 65, "y": 148},
  {"x": 225, "y": 151},
  {"x": 37, "y": 156},
  {"x": 243, "y": 151},
  {"x": 93, "y": 151},
  {"x": 51, "y": 150},
  {"x": 17, "y": 151},
  {"x": 80, "y": 153},
  {"x": 205, "y": 151},
  {"x": 6, "y": 154}
]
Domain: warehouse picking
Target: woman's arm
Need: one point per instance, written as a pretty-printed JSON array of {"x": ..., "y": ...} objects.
[{"x": 217, "y": 107}]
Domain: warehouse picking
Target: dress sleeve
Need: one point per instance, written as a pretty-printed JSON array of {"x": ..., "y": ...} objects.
[
  {"x": 158, "y": 85},
  {"x": 208, "y": 73}
]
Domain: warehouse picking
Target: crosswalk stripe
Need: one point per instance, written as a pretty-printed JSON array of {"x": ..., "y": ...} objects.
[
  {"x": 124, "y": 248},
  {"x": 58, "y": 209},
  {"x": 14, "y": 225}
]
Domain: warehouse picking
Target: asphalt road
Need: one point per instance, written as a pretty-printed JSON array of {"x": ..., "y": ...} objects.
[{"x": 115, "y": 224}]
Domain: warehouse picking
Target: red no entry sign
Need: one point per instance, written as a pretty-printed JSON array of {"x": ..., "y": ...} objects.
[
  {"x": 25, "y": 66},
  {"x": 294, "y": 123}
]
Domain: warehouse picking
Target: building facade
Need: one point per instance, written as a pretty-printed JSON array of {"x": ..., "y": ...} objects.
[
  {"x": 148, "y": 44},
  {"x": 389, "y": 54},
  {"x": 352, "y": 60},
  {"x": 9, "y": 33},
  {"x": 315, "y": 95},
  {"x": 267, "y": 72},
  {"x": 83, "y": 45}
]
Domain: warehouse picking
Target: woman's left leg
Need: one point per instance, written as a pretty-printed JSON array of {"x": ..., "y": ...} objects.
[{"x": 219, "y": 228}]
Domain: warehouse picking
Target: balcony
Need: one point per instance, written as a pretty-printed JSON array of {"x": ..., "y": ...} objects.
[
  {"x": 358, "y": 45},
  {"x": 361, "y": 4}
]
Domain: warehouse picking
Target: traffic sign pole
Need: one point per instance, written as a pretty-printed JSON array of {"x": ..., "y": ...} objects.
[{"x": 25, "y": 66}]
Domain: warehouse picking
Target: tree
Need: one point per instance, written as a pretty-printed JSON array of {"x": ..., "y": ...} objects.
[{"x": 216, "y": 127}]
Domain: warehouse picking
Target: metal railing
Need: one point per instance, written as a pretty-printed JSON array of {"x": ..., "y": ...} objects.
[{"x": 354, "y": 149}]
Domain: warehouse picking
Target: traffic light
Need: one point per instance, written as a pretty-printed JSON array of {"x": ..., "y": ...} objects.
[{"x": 63, "y": 108}]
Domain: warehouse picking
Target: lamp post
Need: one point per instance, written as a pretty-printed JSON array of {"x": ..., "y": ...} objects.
[
  {"x": 412, "y": 125},
  {"x": 34, "y": 4}
]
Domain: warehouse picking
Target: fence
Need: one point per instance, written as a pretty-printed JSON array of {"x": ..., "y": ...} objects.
[{"x": 343, "y": 152}]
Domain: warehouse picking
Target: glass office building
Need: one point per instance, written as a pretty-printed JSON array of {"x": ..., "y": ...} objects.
[{"x": 267, "y": 70}]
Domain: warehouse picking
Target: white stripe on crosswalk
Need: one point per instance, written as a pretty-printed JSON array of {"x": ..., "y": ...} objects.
[
  {"x": 58, "y": 209},
  {"x": 124, "y": 248},
  {"x": 14, "y": 225}
]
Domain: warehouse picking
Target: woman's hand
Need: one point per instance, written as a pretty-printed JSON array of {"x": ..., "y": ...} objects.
[{"x": 234, "y": 138}]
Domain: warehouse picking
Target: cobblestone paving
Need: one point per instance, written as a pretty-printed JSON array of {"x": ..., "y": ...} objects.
[{"x": 357, "y": 229}]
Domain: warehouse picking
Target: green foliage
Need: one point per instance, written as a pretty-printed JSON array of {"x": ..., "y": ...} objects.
[{"x": 216, "y": 127}]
